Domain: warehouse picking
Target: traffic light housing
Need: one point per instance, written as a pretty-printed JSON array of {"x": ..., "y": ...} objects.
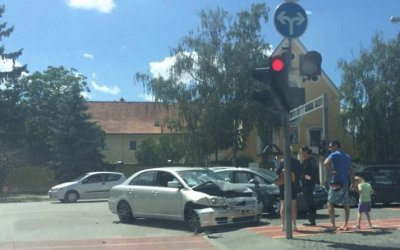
[
  {"x": 310, "y": 64},
  {"x": 274, "y": 78},
  {"x": 276, "y": 93}
]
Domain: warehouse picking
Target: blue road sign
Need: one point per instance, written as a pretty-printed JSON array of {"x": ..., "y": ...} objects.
[{"x": 290, "y": 19}]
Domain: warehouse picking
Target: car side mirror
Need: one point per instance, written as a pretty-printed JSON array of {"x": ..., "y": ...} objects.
[{"x": 175, "y": 184}]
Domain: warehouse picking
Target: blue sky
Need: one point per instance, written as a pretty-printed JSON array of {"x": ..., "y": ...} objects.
[{"x": 110, "y": 40}]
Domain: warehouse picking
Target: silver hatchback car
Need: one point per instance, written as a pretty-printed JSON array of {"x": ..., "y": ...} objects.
[
  {"x": 195, "y": 195},
  {"x": 93, "y": 185}
]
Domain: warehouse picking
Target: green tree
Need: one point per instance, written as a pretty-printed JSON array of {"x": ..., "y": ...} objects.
[
  {"x": 148, "y": 153},
  {"x": 371, "y": 103},
  {"x": 11, "y": 112},
  {"x": 172, "y": 148},
  {"x": 168, "y": 149},
  {"x": 211, "y": 80},
  {"x": 60, "y": 131}
]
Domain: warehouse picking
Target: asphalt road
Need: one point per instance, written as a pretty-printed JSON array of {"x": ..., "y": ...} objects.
[{"x": 90, "y": 225}]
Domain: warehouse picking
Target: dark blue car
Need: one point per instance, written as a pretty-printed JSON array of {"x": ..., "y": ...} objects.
[{"x": 268, "y": 191}]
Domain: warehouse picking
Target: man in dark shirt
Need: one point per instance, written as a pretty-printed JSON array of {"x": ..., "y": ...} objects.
[{"x": 308, "y": 180}]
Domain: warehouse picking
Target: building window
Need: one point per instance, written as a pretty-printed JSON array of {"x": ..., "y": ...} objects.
[
  {"x": 132, "y": 145},
  {"x": 315, "y": 137}
]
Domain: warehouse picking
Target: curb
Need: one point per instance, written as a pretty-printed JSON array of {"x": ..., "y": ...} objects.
[{"x": 23, "y": 198}]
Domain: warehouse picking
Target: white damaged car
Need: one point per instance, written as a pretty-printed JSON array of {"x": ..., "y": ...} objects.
[{"x": 195, "y": 195}]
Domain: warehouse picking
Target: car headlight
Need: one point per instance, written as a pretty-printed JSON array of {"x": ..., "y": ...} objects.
[
  {"x": 217, "y": 201},
  {"x": 55, "y": 189}
]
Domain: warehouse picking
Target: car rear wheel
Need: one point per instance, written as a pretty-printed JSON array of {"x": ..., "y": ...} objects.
[
  {"x": 71, "y": 196},
  {"x": 193, "y": 220},
  {"x": 124, "y": 212}
]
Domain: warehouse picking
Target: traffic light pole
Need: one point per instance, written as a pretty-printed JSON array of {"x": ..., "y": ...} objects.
[
  {"x": 287, "y": 159},
  {"x": 323, "y": 173}
]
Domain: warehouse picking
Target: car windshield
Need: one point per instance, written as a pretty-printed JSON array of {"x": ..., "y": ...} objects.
[{"x": 196, "y": 177}]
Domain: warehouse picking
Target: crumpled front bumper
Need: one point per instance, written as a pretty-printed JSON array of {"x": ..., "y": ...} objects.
[{"x": 237, "y": 211}]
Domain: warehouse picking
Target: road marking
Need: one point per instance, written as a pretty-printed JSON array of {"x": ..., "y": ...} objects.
[{"x": 144, "y": 243}]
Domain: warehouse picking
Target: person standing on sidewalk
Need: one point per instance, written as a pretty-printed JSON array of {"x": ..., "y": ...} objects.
[
  {"x": 295, "y": 165},
  {"x": 310, "y": 175},
  {"x": 364, "y": 205},
  {"x": 338, "y": 165}
]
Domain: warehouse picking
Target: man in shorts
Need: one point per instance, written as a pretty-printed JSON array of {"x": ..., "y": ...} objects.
[{"x": 338, "y": 165}]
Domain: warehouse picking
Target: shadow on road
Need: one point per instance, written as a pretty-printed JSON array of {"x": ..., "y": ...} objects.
[
  {"x": 182, "y": 226},
  {"x": 343, "y": 245},
  {"x": 300, "y": 215},
  {"x": 78, "y": 202}
]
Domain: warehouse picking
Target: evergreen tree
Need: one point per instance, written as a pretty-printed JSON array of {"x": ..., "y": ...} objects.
[
  {"x": 11, "y": 112},
  {"x": 61, "y": 133}
]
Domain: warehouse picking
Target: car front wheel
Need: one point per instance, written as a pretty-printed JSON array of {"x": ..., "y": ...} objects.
[
  {"x": 193, "y": 220},
  {"x": 71, "y": 196},
  {"x": 276, "y": 207},
  {"x": 124, "y": 212}
]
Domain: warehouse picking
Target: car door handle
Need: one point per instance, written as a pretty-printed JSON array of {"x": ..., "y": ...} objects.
[
  {"x": 103, "y": 183},
  {"x": 155, "y": 192}
]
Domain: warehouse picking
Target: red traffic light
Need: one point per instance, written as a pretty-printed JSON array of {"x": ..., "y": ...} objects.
[{"x": 277, "y": 64}]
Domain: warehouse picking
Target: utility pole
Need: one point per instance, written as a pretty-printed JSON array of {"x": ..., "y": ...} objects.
[
  {"x": 287, "y": 159},
  {"x": 291, "y": 21}
]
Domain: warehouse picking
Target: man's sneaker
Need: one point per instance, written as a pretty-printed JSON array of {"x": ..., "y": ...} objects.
[{"x": 309, "y": 224}]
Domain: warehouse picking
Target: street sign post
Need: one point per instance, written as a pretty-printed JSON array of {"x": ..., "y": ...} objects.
[{"x": 291, "y": 22}]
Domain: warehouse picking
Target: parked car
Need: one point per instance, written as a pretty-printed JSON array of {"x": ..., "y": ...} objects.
[
  {"x": 386, "y": 187},
  {"x": 93, "y": 185},
  {"x": 390, "y": 170},
  {"x": 192, "y": 194},
  {"x": 268, "y": 191}
]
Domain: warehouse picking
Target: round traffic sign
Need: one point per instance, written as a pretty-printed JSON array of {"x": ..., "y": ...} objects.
[{"x": 290, "y": 19}]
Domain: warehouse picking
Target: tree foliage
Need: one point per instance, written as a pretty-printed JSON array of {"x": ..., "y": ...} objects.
[
  {"x": 371, "y": 103},
  {"x": 59, "y": 130},
  {"x": 11, "y": 112},
  {"x": 169, "y": 149},
  {"x": 211, "y": 80}
]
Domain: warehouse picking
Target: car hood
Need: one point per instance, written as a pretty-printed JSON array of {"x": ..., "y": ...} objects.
[
  {"x": 65, "y": 184},
  {"x": 224, "y": 189}
]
